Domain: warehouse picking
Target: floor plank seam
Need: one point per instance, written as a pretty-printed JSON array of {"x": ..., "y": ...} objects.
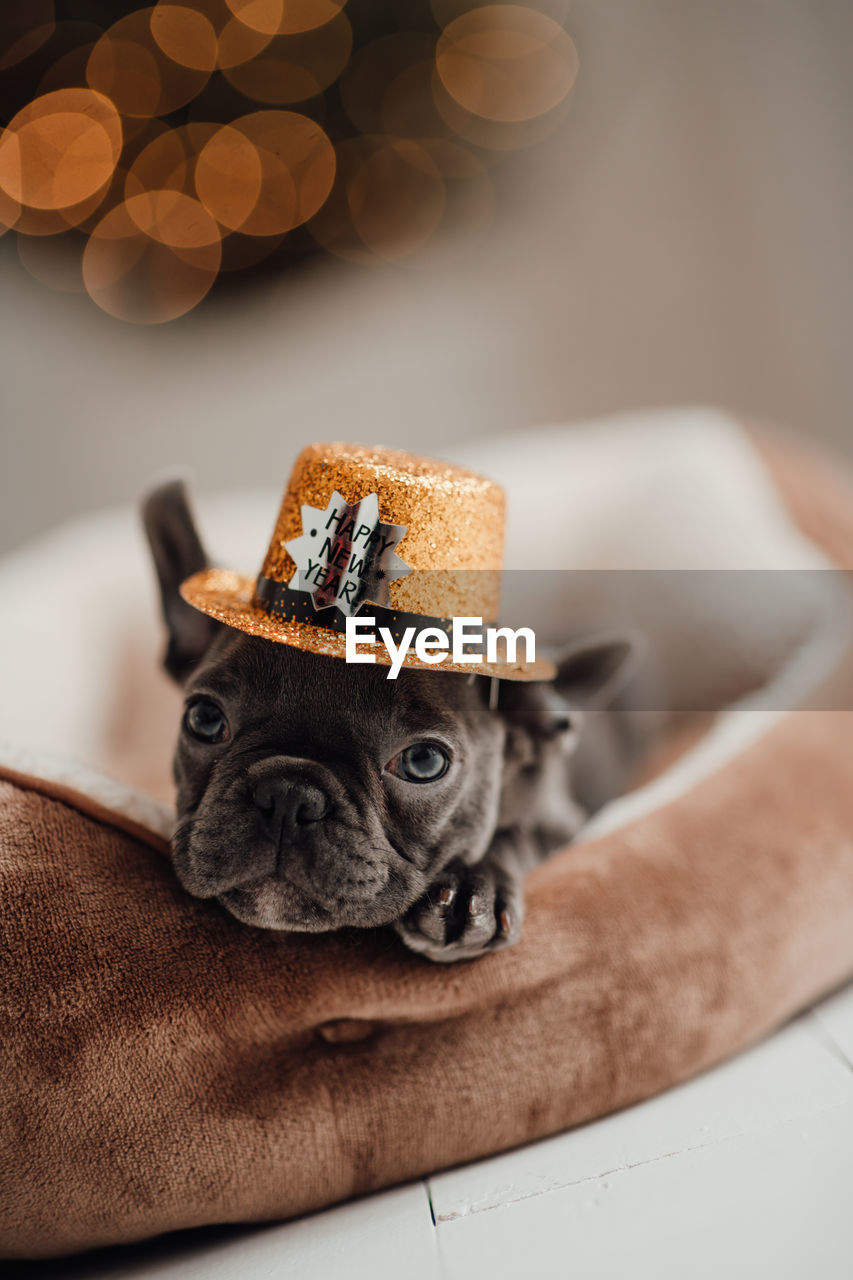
[
  {"x": 819, "y": 1030},
  {"x": 472, "y": 1210},
  {"x": 428, "y": 1191}
]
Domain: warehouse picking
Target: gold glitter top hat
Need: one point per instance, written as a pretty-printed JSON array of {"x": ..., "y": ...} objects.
[{"x": 372, "y": 532}]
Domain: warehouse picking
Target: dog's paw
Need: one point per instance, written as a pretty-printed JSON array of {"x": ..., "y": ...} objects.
[{"x": 466, "y": 913}]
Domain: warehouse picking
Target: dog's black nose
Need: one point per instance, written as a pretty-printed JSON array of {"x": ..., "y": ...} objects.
[{"x": 288, "y": 803}]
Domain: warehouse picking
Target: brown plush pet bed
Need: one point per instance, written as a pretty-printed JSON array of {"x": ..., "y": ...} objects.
[{"x": 164, "y": 1066}]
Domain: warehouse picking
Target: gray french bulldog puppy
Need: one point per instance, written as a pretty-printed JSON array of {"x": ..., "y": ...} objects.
[{"x": 314, "y": 795}]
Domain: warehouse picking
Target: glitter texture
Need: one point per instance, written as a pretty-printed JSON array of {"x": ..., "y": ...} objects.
[
  {"x": 454, "y": 520},
  {"x": 453, "y": 542}
]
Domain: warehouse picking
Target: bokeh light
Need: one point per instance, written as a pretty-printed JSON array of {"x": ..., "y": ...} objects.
[
  {"x": 388, "y": 200},
  {"x": 60, "y": 149},
  {"x": 173, "y": 219},
  {"x": 294, "y": 68},
  {"x": 285, "y": 17},
  {"x": 495, "y": 137},
  {"x": 293, "y": 151},
  {"x": 152, "y": 258},
  {"x": 52, "y": 222},
  {"x": 506, "y": 63},
  {"x": 10, "y": 209},
  {"x": 185, "y": 35},
  {"x": 229, "y": 176},
  {"x": 168, "y": 161},
  {"x": 141, "y": 158},
  {"x": 387, "y": 87},
  {"x": 238, "y": 43},
  {"x": 130, "y": 67}
]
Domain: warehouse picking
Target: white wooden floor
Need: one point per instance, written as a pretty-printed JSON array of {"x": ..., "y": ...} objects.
[{"x": 744, "y": 1173}]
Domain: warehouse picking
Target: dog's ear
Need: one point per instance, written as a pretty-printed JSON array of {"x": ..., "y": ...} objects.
[
  {"x": 590, "y": 674},
  {"x": 594, "y": 670},
  {"x": 178, "y": 553}
]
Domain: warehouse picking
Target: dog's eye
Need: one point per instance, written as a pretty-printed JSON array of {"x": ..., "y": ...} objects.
[
  {"x": 205, "y": 721},
  {"x": 423, "y": 762}
]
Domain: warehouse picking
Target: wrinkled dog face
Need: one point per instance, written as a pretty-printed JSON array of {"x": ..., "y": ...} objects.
[{"x": 314, "y": 795}]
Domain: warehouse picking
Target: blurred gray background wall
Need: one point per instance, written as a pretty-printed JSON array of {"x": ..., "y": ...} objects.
[{"x": 684, "y": 237}]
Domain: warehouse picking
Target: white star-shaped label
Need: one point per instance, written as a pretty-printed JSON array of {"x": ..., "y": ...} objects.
[{"x": 345, "y": 555}]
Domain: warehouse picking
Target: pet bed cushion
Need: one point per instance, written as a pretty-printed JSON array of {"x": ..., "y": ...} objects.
[{"x": 164, "y": 1066}]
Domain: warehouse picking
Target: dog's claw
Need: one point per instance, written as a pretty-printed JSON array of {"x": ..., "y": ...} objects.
[{"x": 469, "y": 912}]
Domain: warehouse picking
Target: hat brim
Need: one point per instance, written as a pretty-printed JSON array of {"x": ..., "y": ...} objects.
[{"x": 227, "y": 597}]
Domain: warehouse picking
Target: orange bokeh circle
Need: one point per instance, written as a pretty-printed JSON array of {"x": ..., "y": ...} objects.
[
  {"x": 10, "y": 210},
  {"x": 387, "y": 87},
  {"x": 152, "y": 258},
  {"x": 130, "y": 67},
  {"x": 294, "y": 68},
  {"x": 168, "y": 161},
  {"x": 506, "y": 63},
  {"x": 396, "y": 198},
  {"x": 388, "y": 200},
  {"x": 60, "y": 149},
  {"x": 185, "y": 35},
  {"x": 82, "y": 101},
  {"x": 174, "y": 219},
  {"x": 229, "y": 176},
  {"x": 238, "y": 44},
  {"x": 52, "y": 222},
  {"x": 285, "y": 17},
  {"x": 496, "y": 136},
  {"x": 56, "y": 161},
  {"x": 282, "y": 185}
]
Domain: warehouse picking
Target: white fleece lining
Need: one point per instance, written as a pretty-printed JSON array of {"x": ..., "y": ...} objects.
[
  {"x": 736, "y": 729},
  {"x": 114, "y": 796}
]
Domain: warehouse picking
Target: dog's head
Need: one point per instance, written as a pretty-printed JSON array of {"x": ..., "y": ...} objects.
[{"x": 313, "y": 794}]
